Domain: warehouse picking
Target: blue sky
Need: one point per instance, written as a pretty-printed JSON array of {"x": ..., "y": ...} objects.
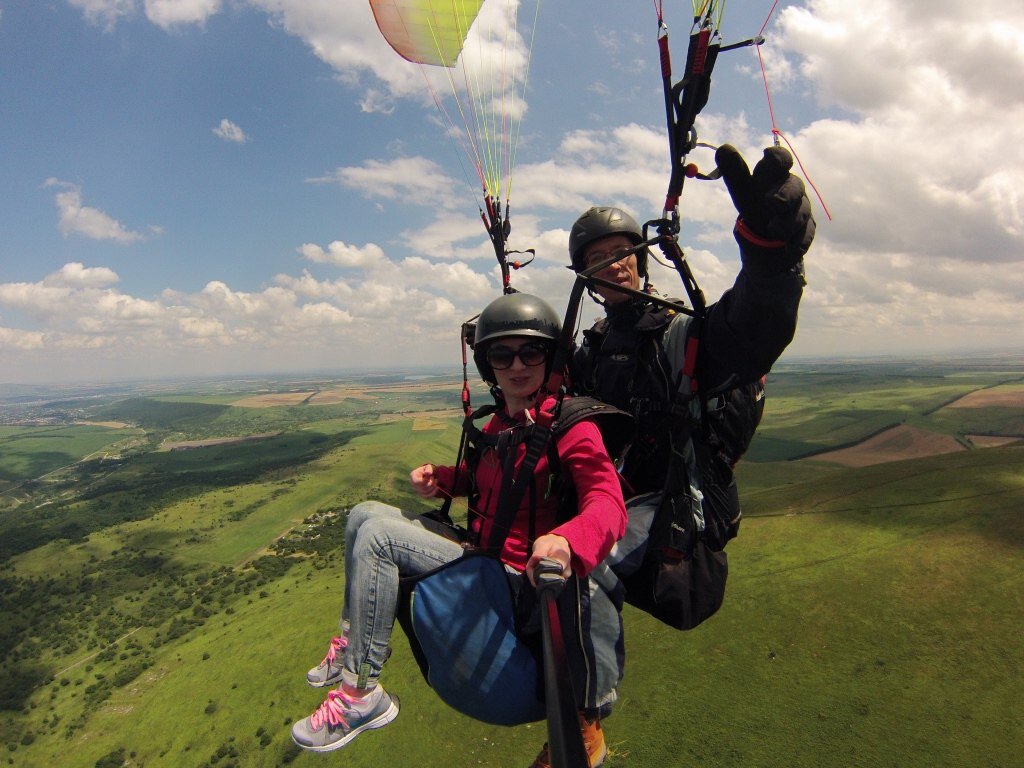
[{"x": 206, "y": 187}]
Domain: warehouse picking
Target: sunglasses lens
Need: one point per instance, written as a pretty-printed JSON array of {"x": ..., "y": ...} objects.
[
  {"x": 500, "y": 358},
  {"x": 532, "y": 355}
]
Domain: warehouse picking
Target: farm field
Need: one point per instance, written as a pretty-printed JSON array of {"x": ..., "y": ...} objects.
[
  {"x": 32, "y": 452},
  {"x": 860, "y": 628}
]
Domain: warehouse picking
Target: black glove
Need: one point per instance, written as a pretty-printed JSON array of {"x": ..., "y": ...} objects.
[{"x": 775, "y": 225}]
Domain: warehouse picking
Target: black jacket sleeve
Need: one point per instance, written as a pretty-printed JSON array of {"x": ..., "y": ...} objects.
[{"x": 750, "y": 326}]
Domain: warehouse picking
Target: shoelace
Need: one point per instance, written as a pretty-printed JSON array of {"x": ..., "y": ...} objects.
[
  {"x": 333, "y": 711},
  {"x": 337, "y": 644}
]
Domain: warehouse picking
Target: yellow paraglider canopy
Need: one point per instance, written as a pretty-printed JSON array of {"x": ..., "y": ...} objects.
[{"x": 426, "y": 31}]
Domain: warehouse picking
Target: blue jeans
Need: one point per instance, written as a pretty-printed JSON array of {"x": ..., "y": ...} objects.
[
  {"x": 382, "y": 544},
  {"x": 627, "y": 554}
]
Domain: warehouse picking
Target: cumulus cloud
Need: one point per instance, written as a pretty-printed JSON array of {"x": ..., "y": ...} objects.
[
  {"x": 411, "y": 303},
  {"x": 345, "y": 36},
  {"x": 16, "y": 339},
  {"x": 168, "y": 13},
  {"x": 926, "y": 249},
  {"x": 105, "y": 13},
  {"x": 451, "y": 237},
  {"x": 344, "y": 255},
  {"x": 163, "y": 13},
  {"x": 402, "y": 178},
  {"x": 77, "y": 275},
  {"x": 230, "y": 131},
  {"x": 915, "y": 144},
  {"x": 921, "y": 166},
  {"x": 894, "y": 168},
  {"x": 80, "y": 300},
  {"x": 77, "y": 218}
]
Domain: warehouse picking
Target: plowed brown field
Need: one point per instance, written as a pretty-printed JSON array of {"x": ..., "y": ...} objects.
[
  {"x": 896, "y": 444},
  {"x": 997, "y": 397}
]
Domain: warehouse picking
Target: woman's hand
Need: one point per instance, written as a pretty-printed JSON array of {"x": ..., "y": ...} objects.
[
  {"x": 424, "y": 480},
  {"x": 552, "y": 547}
]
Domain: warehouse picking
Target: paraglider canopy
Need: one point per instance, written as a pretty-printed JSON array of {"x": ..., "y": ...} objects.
[{"x": 426, "y": 31}]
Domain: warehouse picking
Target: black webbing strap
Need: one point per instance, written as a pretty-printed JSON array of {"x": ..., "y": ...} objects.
[
  {"x": 443, "y": 513},
  {"x": 675, "y": 523},
  {"x": 514, "y": 483}
]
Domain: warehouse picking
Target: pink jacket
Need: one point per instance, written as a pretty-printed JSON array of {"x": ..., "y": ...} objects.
[{"x": 600, "y": 520}]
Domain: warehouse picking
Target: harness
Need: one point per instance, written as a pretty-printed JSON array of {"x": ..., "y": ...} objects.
[
  {"x": 540, "y": 437},
  {"x": 622, "y": 361},
  {"x": 688, "y": 439},
  {"x": 482, "y": 655}
]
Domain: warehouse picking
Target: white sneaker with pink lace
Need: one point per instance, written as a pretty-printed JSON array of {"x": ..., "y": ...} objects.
[
  {"x": 328, "y": 671},
  {"x": 342, "y": 717}
]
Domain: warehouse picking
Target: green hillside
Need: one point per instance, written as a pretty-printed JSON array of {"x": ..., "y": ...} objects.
[{"x": 872, "y": 617}]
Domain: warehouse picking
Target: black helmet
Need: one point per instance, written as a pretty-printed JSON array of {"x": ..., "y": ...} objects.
[
  {"x": 599, "y": 222},
  {"x": 513, "y": 314}
]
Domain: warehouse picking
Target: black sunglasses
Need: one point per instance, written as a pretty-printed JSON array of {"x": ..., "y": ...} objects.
[{"x": 501, "y": 358}]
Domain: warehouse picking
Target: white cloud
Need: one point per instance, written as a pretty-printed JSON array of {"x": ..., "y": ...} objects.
[
  {"x": 34, "y": 299},
  {"x": 442, "y": 238},
  {"x": 455, "y": 279},
  {"x": 79, "y": 219},
  {"x": 169, "y": 13},
  {"x": 376, "y": 100},
  {"x": 21, "y": 340},
  {"x": 344, "y": 34},
  {"x": 402, "y": 178},
  {"x": 624, "y": 165},
  {"x": 77, "y": 275},
  {"x": 339, "y": 290},
  {"x": 163, "y": 13},
  {"x": 344, "y": 255},
  {"x": 915, "y": 143},
  {"x": 105, "y": 12},
  {"x": 411, "y": 304},
  {"x": 322, "y": 315},
  {"x": 893, "y": 170},
  {"x": 76, "y": 299},
  {"x": 230, "y": 131}
]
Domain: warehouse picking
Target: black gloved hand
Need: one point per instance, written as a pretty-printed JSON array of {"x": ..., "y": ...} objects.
[{"x": 775, "y": 213}]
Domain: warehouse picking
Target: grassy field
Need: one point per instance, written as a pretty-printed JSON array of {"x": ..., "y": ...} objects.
[
  {"x": 862, "y": 632},
  {"x": 28, "y": 452},
  {"x": 872, "y": 618},
  {"x": 810, "y": 411}
]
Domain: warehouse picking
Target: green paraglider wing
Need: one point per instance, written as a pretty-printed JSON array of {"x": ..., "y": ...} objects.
[{"x": 426, "y": 31}]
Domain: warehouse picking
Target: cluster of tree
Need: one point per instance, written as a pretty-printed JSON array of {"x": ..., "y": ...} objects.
[
  {"x": 143, "y": 486},
  {"x": 114, "y": 596},
  {"x": 323, "y": 537},
  {"x": 84, "y": 632},
  {"x": 198, "y": 421}
]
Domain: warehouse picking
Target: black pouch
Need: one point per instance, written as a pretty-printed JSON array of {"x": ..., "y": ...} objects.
[
  {"x": 682, "y": 592},
  {"x": 682, "y": 579},
  {"x": 722, "y": 514}
]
